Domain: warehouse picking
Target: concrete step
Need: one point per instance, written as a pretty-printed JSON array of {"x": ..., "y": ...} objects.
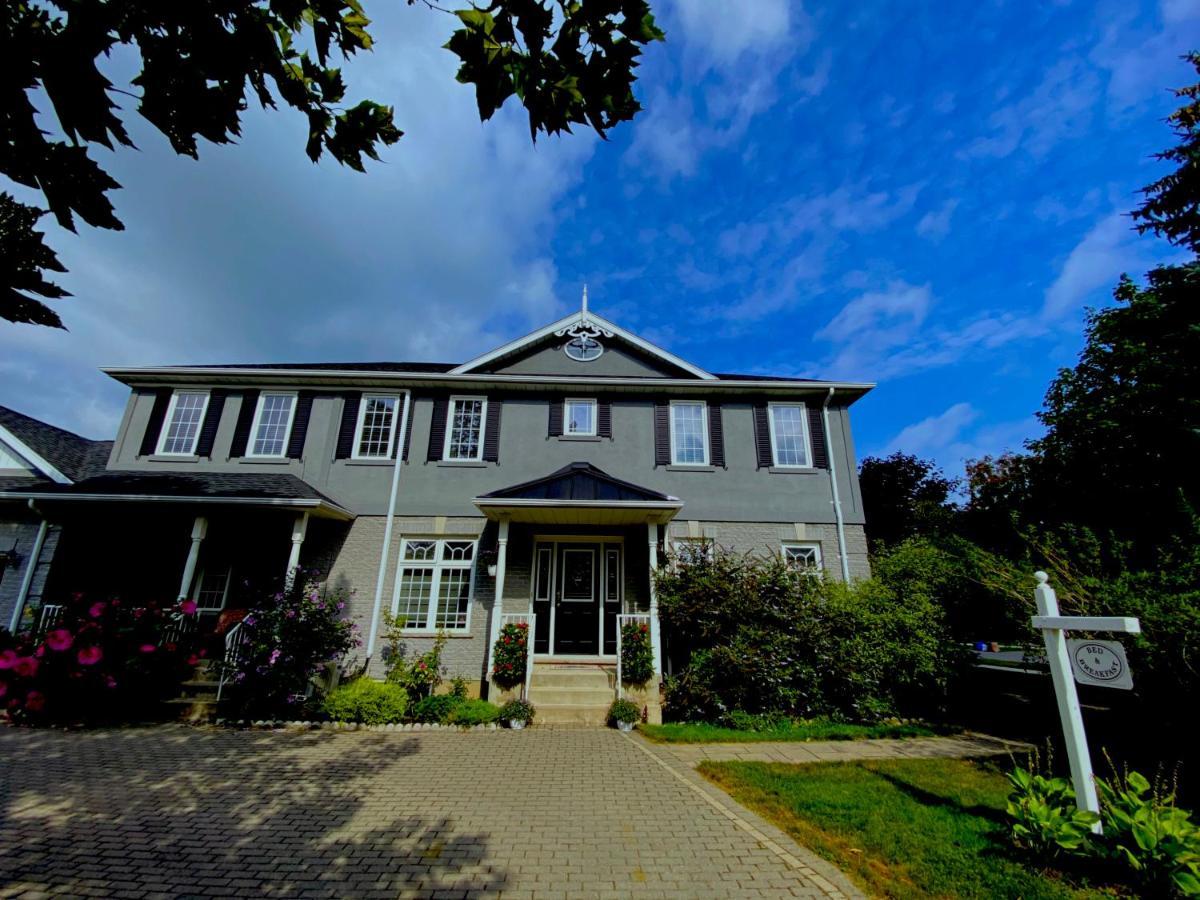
[
  {"x": 572, "y": 696},
  {"x": 573, "y": 676},
  {"x": 193, "y": 709},
  {"x": 570, "y": 714}
]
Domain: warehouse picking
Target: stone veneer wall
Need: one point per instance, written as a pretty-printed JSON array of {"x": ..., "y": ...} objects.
[
  {"x": 20, "y": 535},
  {"x": 767, "y": 538}
]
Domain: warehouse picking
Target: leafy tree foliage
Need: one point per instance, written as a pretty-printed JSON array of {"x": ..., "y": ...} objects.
[
  {"x": 202, "y": 61},
  {"x": 904, "y": 496}
]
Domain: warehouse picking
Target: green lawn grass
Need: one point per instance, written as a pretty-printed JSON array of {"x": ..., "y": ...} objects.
[
  {"x": 900, "y": 828},
  {"x": 816, "y": 730}
]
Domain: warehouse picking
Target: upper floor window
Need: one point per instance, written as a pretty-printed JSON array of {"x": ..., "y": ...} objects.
[
  {"x": 272, "y": 423},
  {"x": 579, "y": 418},
  {"x": 376, "y": 427},
  {"x": 789, "y": 435},
  {"x": 689, "y": 432},
  {"x": 464, "y": 436},
  {"x": 805, "y": 557},
  {"x": 433, "y": 591},
  {"x": 184, "y": 417}
]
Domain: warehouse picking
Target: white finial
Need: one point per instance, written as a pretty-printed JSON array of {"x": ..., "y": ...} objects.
[
  {"x": 585, "y": 298},
  {"x": 1041, "y": 577}
]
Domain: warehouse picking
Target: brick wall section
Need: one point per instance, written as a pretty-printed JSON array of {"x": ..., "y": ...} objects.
[
  {"x": 763, "y": 538},
  {"x": 23, "y": 533}
]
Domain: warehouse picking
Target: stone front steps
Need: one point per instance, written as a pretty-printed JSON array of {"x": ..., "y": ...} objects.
[
  {"x": 572, "y": 694},
  {"x": 197, "y": 700}
]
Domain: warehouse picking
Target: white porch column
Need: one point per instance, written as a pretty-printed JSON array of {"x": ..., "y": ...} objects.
[
  {"x": 498, "y": 604},
  {"x": 655, "y": 637},
  {"x": 199, "y": 530},
  {"x": 299, "y": 529}
]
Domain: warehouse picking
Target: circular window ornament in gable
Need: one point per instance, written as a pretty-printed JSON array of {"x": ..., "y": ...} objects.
[{"x": 583, "y": 348}]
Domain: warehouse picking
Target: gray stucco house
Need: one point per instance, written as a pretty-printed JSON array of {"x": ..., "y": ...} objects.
[{"x": 572, "y": 459}]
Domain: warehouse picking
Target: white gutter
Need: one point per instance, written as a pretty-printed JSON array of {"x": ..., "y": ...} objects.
[
  {"x": 837, "y": 502},
  {"x": 319, "y": 505},
  {"x": 386, "y": 549},
  {"x": 35, "y": 557}
]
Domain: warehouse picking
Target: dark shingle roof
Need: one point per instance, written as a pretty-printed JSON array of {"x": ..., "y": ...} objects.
[
  {"x": 228, "y": 485},
  {"x": 577, "y": 481},
  {"x": 75, "y": 456},
  {"x": 423, "y": 367}
]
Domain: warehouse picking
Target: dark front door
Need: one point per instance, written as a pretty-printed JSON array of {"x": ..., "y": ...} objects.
[{"x": 577, "y": 599}]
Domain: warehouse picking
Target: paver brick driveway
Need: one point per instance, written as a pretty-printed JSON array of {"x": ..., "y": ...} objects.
[{"x": 175, "y": 811}]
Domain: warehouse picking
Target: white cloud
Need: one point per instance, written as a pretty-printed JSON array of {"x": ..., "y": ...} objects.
[
  {"x": 933, "y": 434},
  {"x": 957, "y": 434},
  {"x": 1109, "y": 248},
  {"x": 935, "y": 224},
  {"x": 719, "y": 33},
  {"x": 884, "y": 318}
]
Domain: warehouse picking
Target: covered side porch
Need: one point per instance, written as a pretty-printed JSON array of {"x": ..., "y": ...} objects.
[
  {"x": 152, "y": 539},
  {"x": 575, "y": 556}
]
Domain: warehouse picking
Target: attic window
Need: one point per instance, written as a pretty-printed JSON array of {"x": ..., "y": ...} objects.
[{"x": 579, "y": 418}]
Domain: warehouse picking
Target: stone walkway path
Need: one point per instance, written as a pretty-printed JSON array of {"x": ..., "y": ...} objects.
[
  {"x": 171, "y": 811},
  {"x": 960, "y": 746}
]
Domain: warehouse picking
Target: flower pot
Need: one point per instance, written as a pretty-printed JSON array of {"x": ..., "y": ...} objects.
[
  {"x": 492, "y": 570},
  {"x": 516, "y": 724},
  {"x": 624, "y": 726}
]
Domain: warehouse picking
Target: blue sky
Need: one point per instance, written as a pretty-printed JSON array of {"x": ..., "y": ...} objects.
[{"x": 926, "y": 197}]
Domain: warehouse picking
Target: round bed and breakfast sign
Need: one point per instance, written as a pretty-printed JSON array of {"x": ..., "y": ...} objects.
[{"x": 1100, "y": 663}]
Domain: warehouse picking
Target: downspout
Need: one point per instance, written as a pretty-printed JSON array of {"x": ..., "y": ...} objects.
[
  {"x": 833, "y": 484},
  {"x": 35, "y": 558},
  {"x": 387, "y": 528}
]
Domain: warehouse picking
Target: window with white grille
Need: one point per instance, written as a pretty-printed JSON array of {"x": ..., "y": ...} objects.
[
  {"x": 789, "y": 435},
  {"x": 464, "y": 432},
  {"x": 376, "y": 427},
  {"x": 579, "y": 417},
  {"x": 272, "y": 423},
  {"x": 184, "y": 418},
  {"x": 689, "y": 433},
  {"x": 433, "y": 590},
  {"x": 805, "y": 557}
]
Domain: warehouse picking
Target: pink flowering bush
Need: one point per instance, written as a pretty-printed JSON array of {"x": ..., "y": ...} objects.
[
  {"x": 292, "y": 634},
  {"x": 101, "y": 661}
]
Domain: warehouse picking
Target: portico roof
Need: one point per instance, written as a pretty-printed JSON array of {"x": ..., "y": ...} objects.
[{"x": 579, "y": 494}]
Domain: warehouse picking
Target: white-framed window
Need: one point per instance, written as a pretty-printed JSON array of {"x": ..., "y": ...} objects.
[
  {"x": 692, "y": 550},
  {"x": 579, "y": 417},
  {"x": 375, "y": 434},
  {"x": 465, "y": 427},
  {"x": 805, "y": 557},
  {"x": 272, "y": 424},
  {"x": 789, "y": 435},
  {"x": 433, "y": 589},
  {"x": 689, "y": 433},
  {"x": 181, "y": 428},
  {"x": 212, "y": 589}
]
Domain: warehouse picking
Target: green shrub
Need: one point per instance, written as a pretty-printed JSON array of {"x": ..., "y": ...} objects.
[
  {"x": 474, "y": 712},
  {"x": 637, "y": 656},
  {"x": 1147, "y": 833},
  {"x": 366, "y": 700},
  {"x": 759, "y": 636},
  {"x": 458, "y": 687},
  {"x": 1044, "y": 819},
  {"x": 510, "y": 655},
  {"x": 434, "y": 708},
  {"x": 744, "y": 721},
  {"x": 624, "y": 711},
  {"x": 419, "y": 675},
  {"x": 517, "y": 711}
]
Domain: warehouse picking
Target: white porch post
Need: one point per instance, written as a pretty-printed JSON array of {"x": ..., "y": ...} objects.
[
  {"x": 498, "y": 604},
  {"x": 299, "y": 530},
  {"x": 35, "y": 558},
  {"x": 655, "y": 639},
  {"x": 199, "y": 530}
]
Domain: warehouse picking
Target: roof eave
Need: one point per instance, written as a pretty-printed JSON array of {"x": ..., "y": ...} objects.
[{"x": 321, "y": 508}]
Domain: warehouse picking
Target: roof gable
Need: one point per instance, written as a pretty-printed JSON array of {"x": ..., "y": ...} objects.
[
  {"x": 542, "y": 352},
  {"x": 578, "y": 481},
  {"x": 58, "y": 454}
]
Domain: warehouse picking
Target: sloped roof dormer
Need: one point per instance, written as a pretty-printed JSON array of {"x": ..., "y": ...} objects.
[{"x": 583, "y": 344}]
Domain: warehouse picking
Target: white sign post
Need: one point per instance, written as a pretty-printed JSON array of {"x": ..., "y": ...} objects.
[{"x": 1053, "y": 627}]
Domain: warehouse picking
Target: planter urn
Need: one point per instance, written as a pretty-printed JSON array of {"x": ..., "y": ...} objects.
[
  {"x": 516, "y": 724},
  {"x": 491, "y": 570},
  {"x": 624, "y": 726}
]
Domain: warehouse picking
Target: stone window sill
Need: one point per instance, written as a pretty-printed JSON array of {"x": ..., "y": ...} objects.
[
  {"x": 792, "y": 470},
  {"x": 463, "y": 463},
  {"x": 691, "y": 468},
  {"x": 452, "y": 635},
  {"x": 580, "y": 437},
  {"x": 263, "y": 460},
  {"x": 369, "y": 462},
  {"x": 172, "y": 459}
]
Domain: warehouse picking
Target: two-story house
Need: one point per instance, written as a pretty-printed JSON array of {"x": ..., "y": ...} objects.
[{"x": 572, "y": 459}]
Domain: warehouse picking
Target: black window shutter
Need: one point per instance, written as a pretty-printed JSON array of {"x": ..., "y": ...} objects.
[
  {"x": 662, "y": 433},
  {"x": 816, "y": 431},
  {"x": 762, "y": 436},
  {"x": 158, "y": 412},
  {"x": 212, "y": 419},
  {"x": 304, "y": 402},
  {"x": 412, "y": 403},
  {"x": 491, "y": 436},
  {"x": 437, "y": 429},
  {"x": 556, "y": 417},
  {"x": 716, "y": 436},
  {"x": 604, "y": 418},
  {"x": 245, "y": 420},
  {"x": 345, "y": 438}
]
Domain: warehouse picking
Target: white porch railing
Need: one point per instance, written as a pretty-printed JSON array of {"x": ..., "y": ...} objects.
[
  {"x": 180, "y": 626},
  {"x": 622, "y": 620},
  {"x": 516, "y": 619},
  {"x": 235, "y": 642},
  {"x": 48, "y": 616}
]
